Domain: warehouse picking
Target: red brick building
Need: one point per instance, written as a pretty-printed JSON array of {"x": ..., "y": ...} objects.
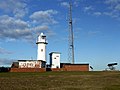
[
  {"x": 28, "y": 66},
  {"x": 75, "y": 67}
]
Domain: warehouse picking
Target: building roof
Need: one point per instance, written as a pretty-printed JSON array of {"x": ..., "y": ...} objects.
[
  {"x": 55, "y": 52},
  {"x": 74, "y": 64},
  {"x": 30, "y": 60}
]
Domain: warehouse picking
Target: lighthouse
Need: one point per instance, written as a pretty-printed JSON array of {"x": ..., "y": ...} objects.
[{"x": 41, "y": 51}]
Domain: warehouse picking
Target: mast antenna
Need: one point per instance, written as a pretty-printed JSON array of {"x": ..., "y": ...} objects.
[{"x": 70, "y": 37}]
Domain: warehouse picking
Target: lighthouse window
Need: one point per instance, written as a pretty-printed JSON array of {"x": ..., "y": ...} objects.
[
  {"x": 41, "y": 50},
  {"x": 43, "y": 37}
]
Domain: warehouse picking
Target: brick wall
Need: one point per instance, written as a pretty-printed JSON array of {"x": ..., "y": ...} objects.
[
  {"x": 76, "y": 67},
  {"x": 53, "y": 69},
  {"x": 71, "y": 67},
  {"x": 68, "y": 67},
  {"x": 27, "y": 70}
]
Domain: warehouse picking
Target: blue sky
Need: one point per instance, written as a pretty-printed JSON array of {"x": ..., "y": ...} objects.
[{"x": 96, "y": 25}]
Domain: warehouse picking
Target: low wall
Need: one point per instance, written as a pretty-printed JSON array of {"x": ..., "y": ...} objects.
[
  {"x": 55, "y": 69},
  {"x": 76, "y": 67},
  {"x": 28, "y": 70},
  {"x": 66, "y": 67},
  {"x": 4, "y": 69}
]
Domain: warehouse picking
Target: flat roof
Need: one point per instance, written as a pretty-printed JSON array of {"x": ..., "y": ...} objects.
[
  {"x": 75, "y": 64},
  {"x": 55, "y": 52},
  {"x": 31, "y": 60}
]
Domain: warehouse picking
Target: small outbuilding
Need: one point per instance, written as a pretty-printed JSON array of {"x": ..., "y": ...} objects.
[
  {"x": 54, "y": 60},
  {"x": 29, "y": 64}
]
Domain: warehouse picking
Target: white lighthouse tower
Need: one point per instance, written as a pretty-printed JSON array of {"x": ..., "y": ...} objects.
[{"x": 41, "y": 52}]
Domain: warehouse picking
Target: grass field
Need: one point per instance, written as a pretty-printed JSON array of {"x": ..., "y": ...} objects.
[{"x": 60, "y": 81}]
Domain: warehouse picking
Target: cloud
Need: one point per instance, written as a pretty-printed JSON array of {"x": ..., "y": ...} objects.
[
  {"x": 112, "y": 14},
  {"x": 65, "y": 4},
  {"x": 5, "y": 61},
  {"x": 88, "y": 8},
  {"x": 4, "y": 51},
  {"x": 6, "y": 22},
  {"x": 13, "y": 28},
  {"x": 117, "y": 7},
  {"x": 91, "y": 10},
  {"x": 40, "y": 28},
  {"x": 50, "y": 33},
  {"x": 17, "y": 7},
  {"x": 44, "y": 17},
  {"x": 97, "y": 13},
  {"x": 113, "y": 8},
  {"x": 76, "y": 3},
  {"x": 112, "y": 1}
]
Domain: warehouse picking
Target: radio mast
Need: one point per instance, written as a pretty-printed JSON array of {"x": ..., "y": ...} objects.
[{"x": 70, "y": 37}]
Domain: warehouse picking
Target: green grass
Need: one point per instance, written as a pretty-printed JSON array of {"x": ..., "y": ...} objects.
[{"x": 60, "y": 81}]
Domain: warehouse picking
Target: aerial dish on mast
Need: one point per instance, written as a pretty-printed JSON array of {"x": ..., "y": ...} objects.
[
  {"x": 111, "y": 66},
  {"x": 91, "y": 68}
]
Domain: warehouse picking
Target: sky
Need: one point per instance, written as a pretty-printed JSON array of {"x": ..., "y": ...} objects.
[{"x": 96, "y": 27}]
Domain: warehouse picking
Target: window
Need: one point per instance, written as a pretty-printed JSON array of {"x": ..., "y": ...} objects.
[
  {"x": 41, "y": 50},
  {"x": 57, "y": 56},
  {"x": 43, "y": 37}
]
